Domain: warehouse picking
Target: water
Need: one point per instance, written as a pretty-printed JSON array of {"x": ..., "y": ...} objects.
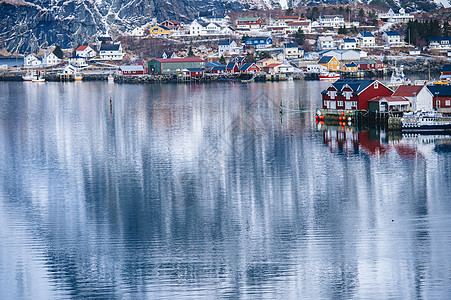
[{"x": 203, "y": 191}]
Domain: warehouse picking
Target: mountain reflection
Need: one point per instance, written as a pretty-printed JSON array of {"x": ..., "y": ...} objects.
[{"x": 203, "y": 191}]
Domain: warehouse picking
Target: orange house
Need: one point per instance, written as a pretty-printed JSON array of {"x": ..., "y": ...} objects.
[
  {"x": 330, "y": 62},
  {"x": 159, "y": 30}
]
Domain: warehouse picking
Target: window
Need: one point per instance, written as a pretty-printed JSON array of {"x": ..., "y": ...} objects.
[
  {"x": 376, "y": 85},
  {"x": 339, "y": 103},
  {"x": 348, "y": 95},
  {"x": 448, "y": 103}
]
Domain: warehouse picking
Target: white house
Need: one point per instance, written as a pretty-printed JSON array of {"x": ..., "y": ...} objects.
[
  {"x": 197, "y": 27},
  {"x": 69, "y": 70},
  {"x": 367, "y": 39},
  {"x": 78, "y": 61},
  {"x": 31, "y": 61},
  {"x": 325, "y": 43},
  {"x": 305, "y": 26},
  {"x": 334, "y": 21},
  {"x": 212, "y": 29},
  {"x": 347, "y": 44},
  {"x": 392, "y": 38},
  {"x": 440, "y": 43},
  {"x": 291, "y": 50},
  {"x": 229, "y": 47},
  {"x": 400, "y": 17},
  {"x": 50, "y": 59},
  {"x": 221, "y": 20},
  {"x": 138, "y": 31},
  {"x": 419, "y": 96},
  {"x": 85, "y": 51},
  {"x": 111, "y": 52},
  {"x": 315, "y": 68},
  {"x": 228, "y": 31}
]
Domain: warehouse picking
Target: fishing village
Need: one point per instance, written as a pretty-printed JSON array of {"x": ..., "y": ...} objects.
[{"x": 365, "y": 58}]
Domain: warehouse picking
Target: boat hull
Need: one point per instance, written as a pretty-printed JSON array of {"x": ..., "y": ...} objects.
[{"x": 441, "y": 128}]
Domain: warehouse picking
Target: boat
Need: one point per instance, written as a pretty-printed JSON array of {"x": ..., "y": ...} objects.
[
  {"x": 110, "y": 79},
  {"x": 28, "y": 76},
  {"x": 78, "y": 77},
  {"x": 38, "y": 78},
  {"x": 329, "y": 76},
  {"x": 425, "y": 122}
]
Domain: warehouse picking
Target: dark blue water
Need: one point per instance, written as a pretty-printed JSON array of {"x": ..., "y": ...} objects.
[{"x": 203, "y": 191}]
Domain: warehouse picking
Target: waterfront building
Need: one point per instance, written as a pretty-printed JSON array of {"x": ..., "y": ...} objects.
[
  {"x": 85, "y": 51},
  {"x": 267, "y": 61},
  {"x": 31, "y": 61},
  {"x": 441, "y": 98},
  {"x": 69, "y": 70},
  {"x": 249, "y": 23},
  {"x": 316, "y": 68},
  {"x": 193, "y": 72},
  {"x": 325, "y": 43},
  {"x": 174, "y": 65},
  {"x": 388, "y": 103},
  {"x": 249, "y": 68},
  {"x": 392, "y": 38},
  {"x": 420, "y": 96},
  {"x": 330, "y": 62},
  {"x": 367, "y": 39},
  {"x": 366, "y": 64},
  {"x": 228, "y": 47},
  {"x": 131, "y": 70},
  {"x": 240, "y": 60},
  {"x": 258, "y": 42},
  {"x": 352, "y": 67},
  {"x": 396, "y": 17},
  {"x": 353, "y": 93},
  {"x": 218, "y": 69},
  {"x": 111, "y": 52},
  {"x": 232, "y": 67}
]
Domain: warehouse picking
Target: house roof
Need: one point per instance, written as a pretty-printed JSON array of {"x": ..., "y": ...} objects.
[
  {"x": 248, "y": 19},
  {"x": 298, "y": 23},
  {"x": 179, "y": 60},
  {"x": 195, "y": 69},
  {"x": 357, "y": 85},
  {"x": 250, "y": 39},
  {"x": 391, "y": 33},
  {"x": 408, "y": 90},
  {"x": 131, "y": 68},
  {"x": 213, "y": 64},
  {"x": 440, "y": 90},
  {"x": 219, "y": 68},
  {"x": 172, "y": 21},
  {"x": 438, "y": 39},
  {"x": 290, "y": 45},
  {"x": 246, "y": 66},
  {"x": 238, "y": 59},
  {"x": 288, "y": 17},
  {"x": 81, "y": 48},
  {"x": 349, "y": 41},
  {"x": 366, "y": 34},
  {"x": 230, "y": 65},
  {"x": 351, "y": 65},
  {"x": 272, "y": 65},
  {"x": 389, "y": 98},
  {"x": 225, "y": 42},
  {"x": 446, "y": 68},
  {"x": 109, "y": 47},
  {"x": 104, "y": 39},
  {"x": 325, "y": 59}
]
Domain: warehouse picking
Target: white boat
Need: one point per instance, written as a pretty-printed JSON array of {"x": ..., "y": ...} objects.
[
  {"x": 329, "y": 76},
  {"x": 426, "y": 122},
  {"x": 28, "y": 76},
  {"x": 78, "y": 77},
  {"x": 397, "y": 76},
  {"x": 38, "y": 78},
  {"x": 110, "y": 79}
]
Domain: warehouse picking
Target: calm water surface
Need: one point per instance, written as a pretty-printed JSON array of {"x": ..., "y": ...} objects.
[{"x": 203, "y": 191}]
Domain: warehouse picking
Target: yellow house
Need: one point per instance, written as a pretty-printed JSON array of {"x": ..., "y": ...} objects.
[
  {"x": 158, "y": 29},
  {"x": 330, "y": 62},
  {"x": 352, "y": 67},
  {"x": 267, "y": 61}
]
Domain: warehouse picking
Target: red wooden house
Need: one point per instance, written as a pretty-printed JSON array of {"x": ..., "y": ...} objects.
[
  {"x": 441, "y": 98},
  {"x": 353, "y": 94},
  {"x": 249, "y": 68},
  {"x": 131, "y": 70},
  {"x": 172, "y": 24},
  {"x": 232, "y": 68},
  {"x": 194, "y": 72}
]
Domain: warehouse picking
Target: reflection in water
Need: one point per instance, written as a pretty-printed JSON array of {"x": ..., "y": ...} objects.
[{"x": 204, "y": 191}]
